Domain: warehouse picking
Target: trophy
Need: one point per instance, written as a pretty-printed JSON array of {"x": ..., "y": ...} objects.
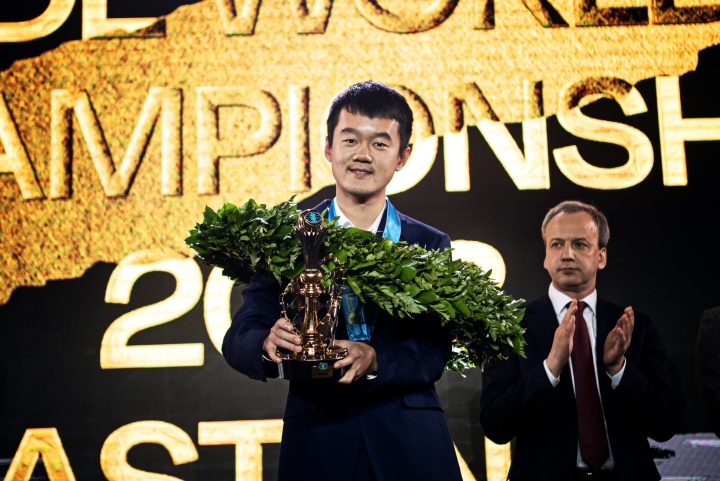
[{"x": 312, "y": 310}]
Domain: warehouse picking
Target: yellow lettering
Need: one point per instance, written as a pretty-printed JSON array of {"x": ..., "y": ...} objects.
[
  {"x": 424, "y": 145},
  {"x": 113, "y": 456},
  {"x": 528, "y": 171},
  {"x": 545, "y": 13},
  {"x": 675, "y": 130},
  {"x": 497, "y": 460},
  {"x": 455, "y": 143},
  {"x": 408, "y": 22},
  {"x": 115, "y": 353},
  {"x": 531, "y": 171},
  {"x": 96, "y": 24},
  {"x": 235, "y": 23},
  {"x": 15, "y": 160},
  {"x": 485, "y": 14},
  {"x": 50, "y": 20},
  {"x": 216, "y": 306},
  {"x": 667, "y": 13},
  {"x": 484, "y": 255},
  {"x": 640, "y": 151},
  {"x": 311, "y": 22},
  {"x": 115, "y": 183},
  {"x": 212, "y": 145},
  {"x": 470, "y": 95},
  {"x": 248, "y": 437},
  {"x": 588, "y": 14},
  {"x": 456, "y": 154},
  {"x": 300, "y": 174},
  {"x": 44, "y": 442}
]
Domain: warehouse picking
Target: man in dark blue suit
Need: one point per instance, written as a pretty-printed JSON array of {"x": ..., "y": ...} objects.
[
  {"x": 594, "y": 384},
  {"x": 382, "y": 420}
]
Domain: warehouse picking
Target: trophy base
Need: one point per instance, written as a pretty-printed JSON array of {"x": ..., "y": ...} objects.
[
  {"x": 309, "y": 370},
  {"x": 301, "y": 367}
]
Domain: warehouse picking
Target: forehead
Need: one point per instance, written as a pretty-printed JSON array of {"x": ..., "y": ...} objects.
[
  {"x": 578, "y": 225},
  {"x": 364, "y": 125}
]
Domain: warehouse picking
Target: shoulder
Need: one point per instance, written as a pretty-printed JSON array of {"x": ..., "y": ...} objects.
[
  {"x": 539, "y": 307},
  {"x": 416, "y": 232},
  {"x": 539, "y": 304}
]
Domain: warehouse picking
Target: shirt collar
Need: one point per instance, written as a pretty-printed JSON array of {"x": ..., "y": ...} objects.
[
  {"x": 345, "y": 222},
  {"x": 560, "y": 300}
]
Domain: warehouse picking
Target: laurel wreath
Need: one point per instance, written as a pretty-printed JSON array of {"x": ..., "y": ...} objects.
[{"x": 403, "y": 279}]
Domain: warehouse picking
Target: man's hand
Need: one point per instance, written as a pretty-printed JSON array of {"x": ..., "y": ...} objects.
[
  {"x": 360, "y": 360},
  {"x": 562, "y": 342},
  {"x": 283, "y": 335},
  {"x": 618, "y": 341}
]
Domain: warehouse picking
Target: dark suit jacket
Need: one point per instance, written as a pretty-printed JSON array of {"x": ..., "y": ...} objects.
[
  {"x": 398, "y": 415},
  {"x": 518, "y": 401}
]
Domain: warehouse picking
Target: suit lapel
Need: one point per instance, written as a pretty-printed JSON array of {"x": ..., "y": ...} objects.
[
  {"x": 547, "y": 322},
  {"x": 605, "y": 324}
]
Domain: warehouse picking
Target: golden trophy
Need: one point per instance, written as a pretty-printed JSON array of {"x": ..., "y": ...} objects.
[{"x": 312, "y": 310}]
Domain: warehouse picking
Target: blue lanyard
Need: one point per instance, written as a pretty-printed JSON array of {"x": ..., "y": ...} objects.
[
  {"x": 392, "y": 228},
  {"x": 360, "y": 318}
]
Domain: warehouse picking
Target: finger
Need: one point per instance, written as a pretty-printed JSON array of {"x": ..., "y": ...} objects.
[
  {"x": 284, "y": 331},
  {"x": 271, "y": 350},
  {"x": 290, "y": 338},
  {"x": 284, "y": 326},
  {"x": 346, "y": 361},
  {"x": 348, "y": 377},
  {"x": 631, "y": 317},
  {"x": 621, "y": 337},
  {"x": 570, "y": 313}
]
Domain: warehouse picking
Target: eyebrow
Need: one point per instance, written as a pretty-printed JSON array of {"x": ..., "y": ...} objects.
[
  {"x": 381, "y": 135},
  {"x": 574, "y": 239}
]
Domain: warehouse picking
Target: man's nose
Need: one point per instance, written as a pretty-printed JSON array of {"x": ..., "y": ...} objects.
[{"x": 362, "y": 153}]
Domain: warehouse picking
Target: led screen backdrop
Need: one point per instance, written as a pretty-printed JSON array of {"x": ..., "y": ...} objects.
[{"x": 120, "y": 121}]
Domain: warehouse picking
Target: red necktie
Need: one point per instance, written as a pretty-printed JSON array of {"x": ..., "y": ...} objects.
[{"x": 593, "y": 441}]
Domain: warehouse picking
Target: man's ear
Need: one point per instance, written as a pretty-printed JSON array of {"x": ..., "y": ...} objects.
[
  {"x": 603, "y": 258},
  {"x": 403, "y": 159},
  {"x": 328, "y": 150}
]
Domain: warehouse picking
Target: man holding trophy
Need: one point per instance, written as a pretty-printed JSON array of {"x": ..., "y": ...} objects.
[{"x": 376, "y": 416}]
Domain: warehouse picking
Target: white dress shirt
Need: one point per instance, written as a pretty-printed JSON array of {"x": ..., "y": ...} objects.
[
  {"x": 560, "y": 303},
  {"x": 345, "y": 222}
]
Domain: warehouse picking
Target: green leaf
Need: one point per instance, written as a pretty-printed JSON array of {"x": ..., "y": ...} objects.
[
  {"x": 408, "y": 274},
  {"x": 403, "y": 279}
]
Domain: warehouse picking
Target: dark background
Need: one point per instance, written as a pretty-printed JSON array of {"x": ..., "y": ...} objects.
[{"x": 663, "y": 259}]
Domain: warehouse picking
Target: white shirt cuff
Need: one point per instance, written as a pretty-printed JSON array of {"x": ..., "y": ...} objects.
[
  {"x": 553, "y": 380},
  {"x": 615, "y": 380}
]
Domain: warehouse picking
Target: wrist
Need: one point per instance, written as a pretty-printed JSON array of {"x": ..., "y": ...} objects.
[
  {"x": 554, "y": 367},
  {"x": 615, "y": 368}
]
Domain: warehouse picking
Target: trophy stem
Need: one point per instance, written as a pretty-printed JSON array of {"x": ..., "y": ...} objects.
[
  {"x": 318, "y": 353},
  {"x": 313, "y": 343}
]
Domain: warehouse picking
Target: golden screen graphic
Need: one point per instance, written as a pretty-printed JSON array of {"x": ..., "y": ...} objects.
[{"x": 115, "y": 137}]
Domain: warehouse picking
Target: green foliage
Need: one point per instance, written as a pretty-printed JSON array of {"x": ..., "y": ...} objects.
[{"x": 402, "y": 279}]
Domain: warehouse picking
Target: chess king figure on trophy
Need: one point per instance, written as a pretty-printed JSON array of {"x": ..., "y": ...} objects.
[{"x": 312, "y": 311}]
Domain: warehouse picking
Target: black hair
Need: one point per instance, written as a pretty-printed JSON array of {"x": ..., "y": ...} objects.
[{"x": 374, "y": 100}]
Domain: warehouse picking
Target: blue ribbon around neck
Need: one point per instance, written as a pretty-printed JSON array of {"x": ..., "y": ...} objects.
[{"x": 359, "y": 317}]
